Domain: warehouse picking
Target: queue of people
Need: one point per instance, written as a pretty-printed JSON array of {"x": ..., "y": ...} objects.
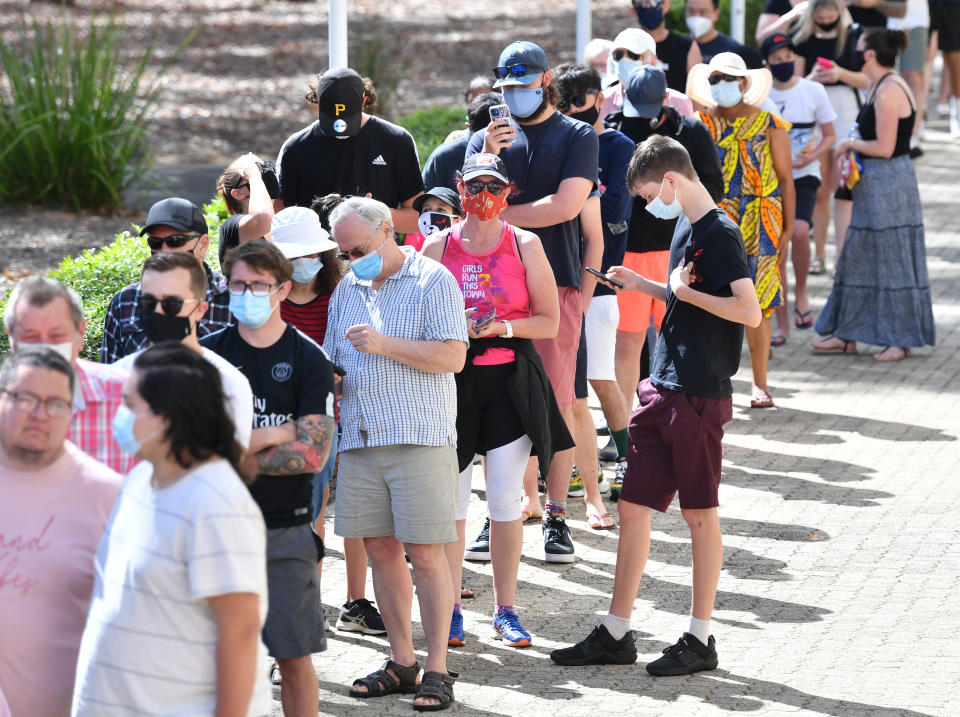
[{"x": 645, "y": 193}]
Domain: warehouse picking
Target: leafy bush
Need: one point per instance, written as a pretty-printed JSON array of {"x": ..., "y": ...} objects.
[
  {"x": 73, "y": 123},
  {"x": 430, "y": 126}
]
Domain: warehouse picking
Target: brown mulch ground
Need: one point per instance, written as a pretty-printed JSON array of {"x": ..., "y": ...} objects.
[{"x": 239, "y": 86}]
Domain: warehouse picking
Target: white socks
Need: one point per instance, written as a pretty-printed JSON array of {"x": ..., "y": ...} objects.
[
  {"x": 617, "y": 626},
  {"x": 700, "y": 629}
]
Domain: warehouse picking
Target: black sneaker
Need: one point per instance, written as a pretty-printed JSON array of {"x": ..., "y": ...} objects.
[
  {"x": 619, "y": 472},
  {"x": 608, "y": 454},
  {"x": 360, "y": 616},
  {"x": 689, "y": 655},
  {"x": 599, "y": 648},
  {"x": 479, "y": 549},
  {"x": 557, "y": 546}
]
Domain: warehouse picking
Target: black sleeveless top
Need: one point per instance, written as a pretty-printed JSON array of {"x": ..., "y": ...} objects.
[{"x": 867, "y": 122}]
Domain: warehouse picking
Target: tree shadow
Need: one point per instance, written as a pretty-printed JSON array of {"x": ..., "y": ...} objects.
[
  {"x": 827, "y": 469},
  {"x": 792, "y": 488}
]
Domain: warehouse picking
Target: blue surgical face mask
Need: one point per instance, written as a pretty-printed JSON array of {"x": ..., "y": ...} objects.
[
  {"x": 665, "y": 211},
  {"x": 625, "y": 68},
  {"x": 726, "y": 94},
  {"x": 650, "y": 17},
  {"x": 123, "y": 421},
  {"x": 523, "y": 101},
  {"x": 251, "y": 311},
  {"x": 304, "y": 269}
]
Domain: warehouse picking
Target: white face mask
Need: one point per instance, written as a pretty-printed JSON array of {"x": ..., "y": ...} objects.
[
  {"x": 665, "y": 211},
  {"x": 699, "y": 26},
  {"x": 726, "y": 94},
  {"x": 64, "y": 349},
  {"x": 625, "y": 68}
]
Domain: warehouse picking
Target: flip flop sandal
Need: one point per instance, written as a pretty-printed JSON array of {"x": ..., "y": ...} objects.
[
  {"x": 529, "y": 517},
  {"x": 439, "y": 685},
  {"x": 804, "y": 319},
  {"x": 905, "y": 354},
  {"x": 596, "y": 521},
  {"x": 817, "y": 266},
  {"x": 778, "y": 340},
  {"x": 381, "y": 682},
  {"x": 849, "y": 347},
  {"x": 466, "y": 593},
  {"x": 761, "y": 399}
]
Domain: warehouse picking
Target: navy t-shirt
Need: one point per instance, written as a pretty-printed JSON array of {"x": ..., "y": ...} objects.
[
  {"x": 444, "y": 163},
  {"x": 290, "y": 379},
  {"x": 724, "y": 43},
  {"x": 672, "y": 58},
  {"x": 542, "y": 156},
  {"x": 616, "y": 204},
  {"x": 697, "y": 352}
]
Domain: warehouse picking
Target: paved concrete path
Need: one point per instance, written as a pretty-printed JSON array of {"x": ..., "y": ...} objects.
[{"x": 841, "y": 569}]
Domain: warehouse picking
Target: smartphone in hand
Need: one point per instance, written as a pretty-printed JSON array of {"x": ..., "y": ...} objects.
[
  {"x": 485, "y": 319},
  {"x": 603, "y": 277}
]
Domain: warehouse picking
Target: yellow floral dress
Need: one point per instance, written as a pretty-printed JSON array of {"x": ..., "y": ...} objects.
[{"x": 751, "y": 194}]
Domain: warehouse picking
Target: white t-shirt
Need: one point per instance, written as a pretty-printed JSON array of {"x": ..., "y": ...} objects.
[
  {"x": 805, "y": 105},
  {"x": 236, "y": 389},
  {"x": 151, "y": 636}
]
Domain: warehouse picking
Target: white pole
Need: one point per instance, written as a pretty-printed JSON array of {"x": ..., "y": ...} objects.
[
  {"x": 584, "y": 28},
  {"x": 738, "y": 18},
  {"x": 337, "y": 29}
]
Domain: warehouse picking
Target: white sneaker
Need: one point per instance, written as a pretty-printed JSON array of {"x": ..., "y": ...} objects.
[{"x": 954, "y": 117}]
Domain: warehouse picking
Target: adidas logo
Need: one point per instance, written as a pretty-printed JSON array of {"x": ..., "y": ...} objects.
[{"x": 380, "y": 161}]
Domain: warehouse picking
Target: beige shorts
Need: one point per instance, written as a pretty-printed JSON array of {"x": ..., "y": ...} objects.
[{"x": 406, "y": 491}]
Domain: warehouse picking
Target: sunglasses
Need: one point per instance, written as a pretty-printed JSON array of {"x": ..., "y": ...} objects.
[
  {"x": 475, "y": 186},
  {"x": 353, "y": 254},
  {"x": 717, "y": 79},
  {"x": 518, "y": 70},
  {"x": 169, "y": 305},
  {"x": 174, "y": 241},
  {"x": 575, "y": 101},
  {"x": 620, "y": 52}
]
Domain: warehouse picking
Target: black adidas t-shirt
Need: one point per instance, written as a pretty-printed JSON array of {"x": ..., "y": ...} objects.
[
  {"x": 381, "y": 159},
  {"x": 697, "y": 352},
  {"x": 290, "y": 379}
]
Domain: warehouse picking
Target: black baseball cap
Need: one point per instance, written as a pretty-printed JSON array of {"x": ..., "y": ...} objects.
[
  {"x": 444, "y": 194},
  {"x": 774, "y": 42},
  {"x": 340, "y": 102},
  {"x": 482, "y": 163},
  {"x": 178, "y": 213}
]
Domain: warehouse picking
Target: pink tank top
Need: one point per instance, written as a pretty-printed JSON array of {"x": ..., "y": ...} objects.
[{"x": 495, "y": 279}]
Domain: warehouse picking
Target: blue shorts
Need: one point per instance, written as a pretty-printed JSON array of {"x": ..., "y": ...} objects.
[{"x": 321, "y": 479}]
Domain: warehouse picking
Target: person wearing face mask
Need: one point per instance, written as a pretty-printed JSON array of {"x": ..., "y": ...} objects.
[
  {"x": 804, "y": 104},
  {"x": 43, "y": 312},
  {"x": 293, "y": 426},
  {"x": 57, "y": 499},
  {"x": 172, "y": 225},
  {"x": 749, "y": 140},
  {"x": 180, "y": 594},
  {"x": 676, "y": 54},
  {"x": 554, "y": 159},
  {"x": 445, "y": 161},
  {"x": 439, "y": 209},
  {"x": 701, "y": 17},
  {"x": 250, "y": 189},
  {"x": 171, "y": 305}
]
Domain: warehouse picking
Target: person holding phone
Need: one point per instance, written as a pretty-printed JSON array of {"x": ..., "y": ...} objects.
[
  {"x": 250, "y": 190},
  {"x": 506, "y": 408}
]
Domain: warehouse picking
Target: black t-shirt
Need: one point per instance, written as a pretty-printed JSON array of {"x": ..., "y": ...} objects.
[
  {"x": 777, "y": 7},
  {"x": 724, "y": 43},
  {"x": 826, "y": 47},
  {"x": 697, "y": 352},
  {"x": 381, "y": 159},
  {"x": 444, "y": 163},
  {"x": 230, "y": 234},
  {"x": 290, "y": 379},
  {"x": 542, "y": 156},
  {"x": 616, "y": 150},
  {"x": 672, "y": 55},
  {"x": 867, "y": 17}
]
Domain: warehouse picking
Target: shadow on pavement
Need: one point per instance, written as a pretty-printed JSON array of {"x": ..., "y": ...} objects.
[
  {"x": 827, "y": 469},
  {"x": 792, "y": 488}
]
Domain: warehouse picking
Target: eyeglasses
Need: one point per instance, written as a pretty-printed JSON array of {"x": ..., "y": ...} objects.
[
  {"x": 518, "y": 70},
  {"x": 717, "y": 79},
  {"x": 241, "y": 186},
  {"x": 174, "y": 241},
  {"x": 257, "y": 288},
  {"x": 26, "y": 401},
  {"x": 353, "y": 254},
  {"x": 575, "y": 101},
  {"x": 475, "y": 186},
  {"x": 620, "y": 52},
  {"x": 169, "y": 305}
]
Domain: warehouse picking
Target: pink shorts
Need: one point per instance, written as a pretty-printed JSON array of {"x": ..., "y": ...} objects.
[
  {"x": 636, "y": 308},
  {"x": 559, "y": 355}
]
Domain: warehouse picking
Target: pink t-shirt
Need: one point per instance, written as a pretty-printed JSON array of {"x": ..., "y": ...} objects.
[
  {"x": 50, "y": 523},
  {"x": 496, "y": 279}
]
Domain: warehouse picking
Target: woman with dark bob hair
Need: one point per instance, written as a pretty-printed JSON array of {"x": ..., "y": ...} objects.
[{"x": 180, "y": 592}]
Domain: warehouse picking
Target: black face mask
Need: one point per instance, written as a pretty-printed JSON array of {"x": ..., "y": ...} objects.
[
  {"x": 828, "y": 26},
  {"x": 589, "y": 116},
  {"x": 160, "y": 328}
]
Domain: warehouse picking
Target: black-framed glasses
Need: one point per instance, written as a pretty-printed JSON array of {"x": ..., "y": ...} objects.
[
  {"x": 169, "y": 305},
  {"x": 518, "y": 70},
  {"x": 241, "y": 186},
  {"x": 620, "y": 52},
  {"x": 475, "y": 186},
  {"x": 718, "y": 78},
  {"x": 354, "y": 254},
  {"x": 174, "y": 241},
  {"x": 576, "y": 101},
  {"x": 28, "y": 402},
  {"x": 257, "y": 288}
]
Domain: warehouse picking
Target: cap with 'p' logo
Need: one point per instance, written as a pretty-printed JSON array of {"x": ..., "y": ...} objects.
[{"x": 340, "y": 102}]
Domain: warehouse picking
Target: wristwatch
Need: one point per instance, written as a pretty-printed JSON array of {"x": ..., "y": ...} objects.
[{"x": 509, "y": 334}]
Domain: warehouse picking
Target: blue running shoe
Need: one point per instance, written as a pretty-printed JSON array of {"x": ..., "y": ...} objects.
[
  {"x": 457, "y": 637},
  {"x": 508, "y": 628}
]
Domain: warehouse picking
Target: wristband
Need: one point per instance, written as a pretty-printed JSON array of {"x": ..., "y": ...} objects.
[{"x": 509, "y": 334}]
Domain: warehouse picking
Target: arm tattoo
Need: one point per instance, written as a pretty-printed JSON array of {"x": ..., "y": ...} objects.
[{"x": 307, "y": 454}]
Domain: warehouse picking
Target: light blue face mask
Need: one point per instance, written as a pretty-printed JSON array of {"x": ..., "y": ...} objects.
[
  {"x": 368, "y": 266},
  {"x": 304, "y": 269},
  {"x": 123, "y": 421},
  {"x": 726, "y": 94},
  {"x": 523, "y": 101},
  {"x": 625, "y": 68},
  {"x": 251, "y": 311},
  {"x": 665, "y": 211}
]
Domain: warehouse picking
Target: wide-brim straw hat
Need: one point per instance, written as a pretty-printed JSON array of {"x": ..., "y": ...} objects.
[{"x": 759, "y": 81}]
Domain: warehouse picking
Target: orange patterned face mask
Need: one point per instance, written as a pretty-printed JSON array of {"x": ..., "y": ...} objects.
[{"x": 484, "y": 205}]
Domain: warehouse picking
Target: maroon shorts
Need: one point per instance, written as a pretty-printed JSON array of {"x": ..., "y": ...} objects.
[{"x": 675, "y": 446}]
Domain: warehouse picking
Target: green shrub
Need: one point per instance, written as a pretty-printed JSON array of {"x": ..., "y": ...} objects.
[
  {"x": 430, "y": 126},
  {"x": 73, "y": 121}
]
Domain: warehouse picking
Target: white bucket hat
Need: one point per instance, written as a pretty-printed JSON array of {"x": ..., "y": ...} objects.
[
  {"x": 296, "y": 232},
  {"x": 759, "y": 81}
]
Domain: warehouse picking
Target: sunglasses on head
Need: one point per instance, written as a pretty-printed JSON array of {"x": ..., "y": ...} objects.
[
  {"x": 620, "y": 52},
  {"x": 169, "y": 305},
  {"x": 575, "y": 101},
  {"x": 518, "y": 70},
  {"x": 174, "y": 241},
  {"x": 717, "y": 79},
  {"x": 475, "y": 186}
]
